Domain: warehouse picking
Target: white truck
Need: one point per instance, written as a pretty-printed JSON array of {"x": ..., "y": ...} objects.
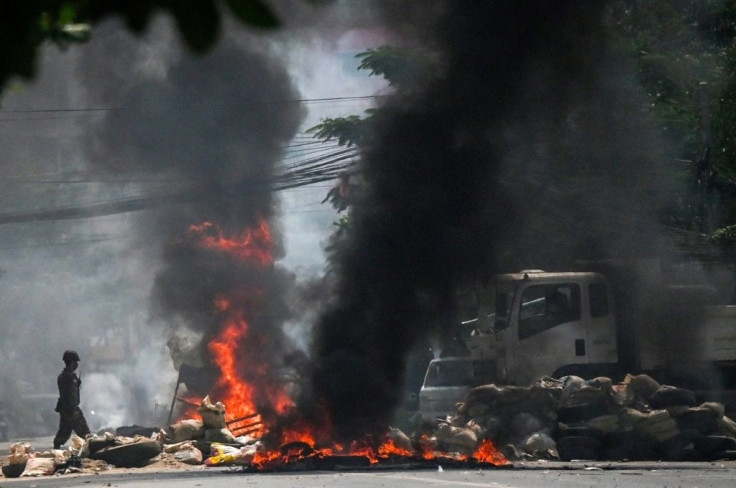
[{"x": 534, "y": 323}]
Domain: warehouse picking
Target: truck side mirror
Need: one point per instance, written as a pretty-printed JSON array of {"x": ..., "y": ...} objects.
[{"x": 500, "y": 324}]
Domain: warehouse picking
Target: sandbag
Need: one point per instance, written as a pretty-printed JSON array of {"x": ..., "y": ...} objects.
[
  {"x": 581, "y": 412},
  {"x": 223, "y": 436},
  {"x": 539, "y": 444},
  {"x": 718, "y": 409},
  {"x": 20, "y": 452},
  {"x": 591, "y": 391},
  {"x": 677, "y": 410},
  {"x": 658, "y": 425},
  {"x": 631, "y": 417},
  {"x": 726, "y": 426},
  {"x": 485, "y": 394},
  {"x": 189, "y": 455},
  {"x": 640, "y": 386},
  {"x": 570, "y": 384},
  {"x": 186, "y": 430},
  {"x": 77, "y": 443},
  {"x": 668, "y": 395},
  {"x": 456, "y": 436},
  {"x": 475, "y": 409},
  {"x": 604, "y": 423},
  {"x": 213, "y": 415},
  {"x": 512, "y": 395},
  {"x": 491, "y": 424},
  {"x": 39, "y": 466},
  {"x": 96, "y": 442},
  {"x": 703, "y": 420}
]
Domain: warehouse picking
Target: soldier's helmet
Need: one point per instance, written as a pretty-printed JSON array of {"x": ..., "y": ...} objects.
[{"x": 70, "y": 356}]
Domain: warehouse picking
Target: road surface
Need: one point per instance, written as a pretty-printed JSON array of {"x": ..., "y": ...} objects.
[
  {"x": 531, "y": 475},
  {"x": 540, "y": 474}
]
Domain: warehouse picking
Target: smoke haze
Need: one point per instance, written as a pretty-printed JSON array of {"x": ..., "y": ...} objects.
[{"x": 187, "y": 140}]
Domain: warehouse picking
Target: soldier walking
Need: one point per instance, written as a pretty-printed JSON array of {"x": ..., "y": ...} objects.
[{"x": 71, "y": 417}]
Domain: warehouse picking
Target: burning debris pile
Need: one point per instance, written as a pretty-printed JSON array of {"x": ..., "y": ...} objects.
[
  {"x": 571, "y": 418},
  {"x": 288, "y": 448},
  {"x": 208, "y": 441}
]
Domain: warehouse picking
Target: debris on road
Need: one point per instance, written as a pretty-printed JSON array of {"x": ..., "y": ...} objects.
[{"x": 565, "y": 419}]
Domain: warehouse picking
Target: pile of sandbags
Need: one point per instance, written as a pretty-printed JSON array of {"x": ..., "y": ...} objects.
[
  {"x": 572, "y": 418},
  {"x": 210, "y": 436},
  {"x": 22, "y": 461},
  {"x": 643, "y": 420}
]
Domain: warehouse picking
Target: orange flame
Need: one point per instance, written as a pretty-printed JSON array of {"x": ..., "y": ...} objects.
[
  {"x": 254, "y": 245},
  {"x": 487, "y": 453}
]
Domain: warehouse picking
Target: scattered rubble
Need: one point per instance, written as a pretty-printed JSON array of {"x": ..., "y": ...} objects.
[{"x": 555, "y": 419}]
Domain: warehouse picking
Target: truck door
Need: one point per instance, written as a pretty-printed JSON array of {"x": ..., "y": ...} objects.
[
  {"x": 601, "y": 346},
  {"x": 550, "y": 331}
]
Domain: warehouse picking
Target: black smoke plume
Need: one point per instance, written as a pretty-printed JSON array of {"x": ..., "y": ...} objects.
[
  {"x": 482, "y": 161},
  {"x": 207, "y": 132}
]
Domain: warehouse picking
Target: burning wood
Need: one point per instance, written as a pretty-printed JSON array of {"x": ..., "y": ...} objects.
[{"x": 296, "y": 448}]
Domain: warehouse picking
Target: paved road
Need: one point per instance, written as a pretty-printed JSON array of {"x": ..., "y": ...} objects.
[
  {"x": 534, "y": 475},
  {"x": 520, "y": 475}
]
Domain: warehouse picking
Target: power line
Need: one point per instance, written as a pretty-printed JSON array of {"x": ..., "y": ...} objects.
[
  {"x": 315, "y": 170},
  {"x": 242, "y": 104}
]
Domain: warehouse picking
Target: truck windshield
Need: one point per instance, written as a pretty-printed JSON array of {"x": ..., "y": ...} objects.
[{"x": 460, "y": 373}]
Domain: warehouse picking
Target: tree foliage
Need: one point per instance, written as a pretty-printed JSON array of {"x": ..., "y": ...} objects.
[
  {"x": 347, "y": 131},
  {"x": 684, "y": 53},
  {"x": 399, "y": 67},
  {"x": 26, "y": 25}
]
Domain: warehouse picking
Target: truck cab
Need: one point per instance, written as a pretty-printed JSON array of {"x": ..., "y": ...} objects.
[
  {"x": 535, "y": 324},
  {"x": 448, "y": 381}
]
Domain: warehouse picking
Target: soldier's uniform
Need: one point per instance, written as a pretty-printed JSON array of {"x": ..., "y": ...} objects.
[{"x": 71, "y": 417}]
